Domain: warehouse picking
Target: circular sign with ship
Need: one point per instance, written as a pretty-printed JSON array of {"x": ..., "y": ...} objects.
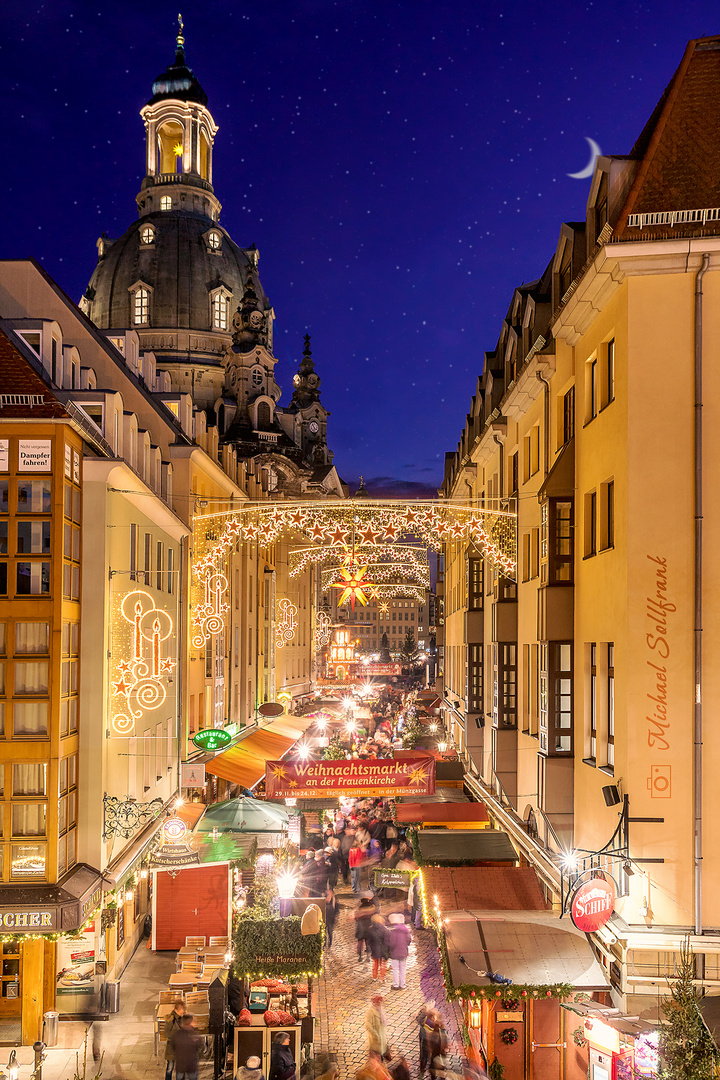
[{"x": 592, "y": 904}]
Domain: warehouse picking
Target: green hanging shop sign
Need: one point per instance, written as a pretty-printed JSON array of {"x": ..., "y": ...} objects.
[{"x": 212, "y": 739}]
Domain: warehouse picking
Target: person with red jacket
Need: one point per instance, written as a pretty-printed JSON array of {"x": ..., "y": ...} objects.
[{"x": 356, "y": 857}]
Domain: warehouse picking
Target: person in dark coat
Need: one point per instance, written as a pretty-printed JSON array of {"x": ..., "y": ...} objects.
[
  {"x": 437, "y": 1046},
  {"x": 397, "y": 1065},
  {"x": 172, "y": 1023},
  {"x": 186, "y": 1045},
  {"x": 320, "y": 877},
  {"x": 377, "y": 941},
  {"x": 362, "y": 915},
  {"x": 346, "y": 842},
  {"x": 332, "y": 861},
  {"x": 282, "y": 1062},
  {"x": 330, "y": 915}
]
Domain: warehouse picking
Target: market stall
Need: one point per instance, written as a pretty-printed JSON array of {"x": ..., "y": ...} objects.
[{"x": 510, "y": 971}]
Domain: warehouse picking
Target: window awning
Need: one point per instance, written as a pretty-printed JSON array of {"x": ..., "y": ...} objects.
[
  {"x": 244, "y": 764},
  {"x": 443, "y": 813}
]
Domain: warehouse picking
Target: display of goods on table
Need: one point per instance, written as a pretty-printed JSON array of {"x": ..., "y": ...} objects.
[
  {"x": 279, "y": 1018},
  {"x": 244, "y": 1018}
]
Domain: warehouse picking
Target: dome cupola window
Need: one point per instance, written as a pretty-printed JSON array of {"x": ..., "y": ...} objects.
[
  {"x": 147, "y": 235},
  {"x": 214, "y": 240},
  {"x": 165, "y": 202},
  {"x": 257, "y": 378},
  {"x": 220, "y": 308},
  {"x": 140, "y": 304}
]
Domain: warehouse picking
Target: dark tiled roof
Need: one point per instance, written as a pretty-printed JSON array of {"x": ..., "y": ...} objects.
[
  {"x": 18, "y": 377},
  {"x": 680, "y": 146}
]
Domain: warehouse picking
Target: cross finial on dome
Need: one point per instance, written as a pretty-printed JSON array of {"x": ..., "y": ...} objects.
[{"x": 180, "y": 40}]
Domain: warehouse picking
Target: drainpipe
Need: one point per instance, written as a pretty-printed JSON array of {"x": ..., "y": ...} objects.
[
  {"x": 546, "y": 419},
  {"x": 698, "y": 581}
]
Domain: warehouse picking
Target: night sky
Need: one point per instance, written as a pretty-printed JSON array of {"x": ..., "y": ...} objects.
[{"x": 401, "y": 165}]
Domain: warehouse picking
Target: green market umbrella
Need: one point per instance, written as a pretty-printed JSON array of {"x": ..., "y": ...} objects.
[{"x": 244, "y": 815}]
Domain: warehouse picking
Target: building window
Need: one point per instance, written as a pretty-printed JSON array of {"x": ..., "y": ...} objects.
[
  {"x": 593, "y": 702},
  {"x": 29, "y": 779},
  {"x": 257, "y": 378},
  {"x": 147, "y": 235},
  {"x": 28, "y": 860},
  {"x": 133, "y": 551},
  {"x": 165, "y": 202},
  {"x": 590, "y": 524},
  {"x": 171, "y": 571},
  {"x": 220, "y": 306},
  {"x": 29, "y": 819},
  {"x": 543, "y": 696},
  {"x": 474, "y": 695},
  {"x": 561, "y": 674},
  {"x": 514, "y": 473},
  {"x": 569, "y": 415},
  {"x": 531, "y": 452},
  {"x": 607, "y": 515},
  {"x": 33, "y": 578},
  {"x": 141, "y": 307},
  {"x": 611, "y": 705},
  {"x": 31, "y": 638},
  {"x": 34, "y": 497},
  {"x": 214, "y": 241},
  {"x": 610, "y": 372},
  {"x": 159, "y": 566},
  {"x": 561, "y": 542},
  {"x": 592, "y": 389},
  {"x": 505, "y": 685}
]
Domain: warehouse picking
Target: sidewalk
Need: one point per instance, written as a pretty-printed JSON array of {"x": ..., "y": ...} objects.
[{"x": 126, "y": 1038}]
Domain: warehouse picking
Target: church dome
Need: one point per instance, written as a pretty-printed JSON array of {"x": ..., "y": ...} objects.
[
  {"x": 187, "y": 259},
  {"x": 179, "y": 83}
]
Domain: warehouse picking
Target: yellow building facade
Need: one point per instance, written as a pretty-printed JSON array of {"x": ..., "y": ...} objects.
[{"x": 583, "y": 693}]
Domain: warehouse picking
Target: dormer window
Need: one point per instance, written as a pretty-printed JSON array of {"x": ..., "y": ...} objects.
[
  {"x": 165, "y": 202},
  {"x": 214, "y": 241},
  {"x": 147, "y": 235},
  {"x": 140, "y": 304},
  {"x": 220, "y": 306},
  {"x": 256, "y": 378}
]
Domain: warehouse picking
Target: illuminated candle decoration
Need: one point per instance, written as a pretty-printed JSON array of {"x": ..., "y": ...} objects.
[
  {"x": 322, "y": 630},
  {"x": 140, "y": 684},
  {"x": 209, "y": 613},
  {"x": 285, "y": 622}
]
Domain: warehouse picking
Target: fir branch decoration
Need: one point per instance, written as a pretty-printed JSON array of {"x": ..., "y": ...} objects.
[{"x": 269, "y": 947}]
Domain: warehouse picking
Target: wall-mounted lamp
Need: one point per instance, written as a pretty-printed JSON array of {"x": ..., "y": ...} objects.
[{"x": 611, "y": 795}]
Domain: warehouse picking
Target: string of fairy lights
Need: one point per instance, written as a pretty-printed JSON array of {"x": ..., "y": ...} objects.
[{"x": 352, "y": 534}]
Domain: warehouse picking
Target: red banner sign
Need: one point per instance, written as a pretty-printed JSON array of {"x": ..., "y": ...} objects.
[
  {"x": 350, "y": 776},
  {"x": 592, "y": 905}
]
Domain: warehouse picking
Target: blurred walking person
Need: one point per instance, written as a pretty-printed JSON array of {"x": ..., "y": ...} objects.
[{"x": 398, "y": 942}]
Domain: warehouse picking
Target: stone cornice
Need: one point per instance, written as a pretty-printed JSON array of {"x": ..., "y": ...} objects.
[{"x": 616, "y": 262}]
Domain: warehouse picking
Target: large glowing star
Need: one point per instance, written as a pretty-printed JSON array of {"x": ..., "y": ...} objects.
[{"x": 353, "y": 586}]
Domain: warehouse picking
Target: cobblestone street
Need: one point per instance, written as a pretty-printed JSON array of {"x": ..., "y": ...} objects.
[{"x": 344, "y": 995}]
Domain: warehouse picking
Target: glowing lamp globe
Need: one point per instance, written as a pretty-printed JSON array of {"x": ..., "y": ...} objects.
[{"x": 286, "y": 885}]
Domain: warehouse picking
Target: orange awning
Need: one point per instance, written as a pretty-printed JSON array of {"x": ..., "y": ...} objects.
[
  {"x": 266, "y": 744},
  {"x": 237, "y": 766}
]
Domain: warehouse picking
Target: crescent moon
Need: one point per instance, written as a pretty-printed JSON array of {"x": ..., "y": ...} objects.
[{"x": 595, "y": 152}]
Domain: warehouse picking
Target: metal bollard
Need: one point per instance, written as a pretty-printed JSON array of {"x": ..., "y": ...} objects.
[{"x": 39, "y": 1050}]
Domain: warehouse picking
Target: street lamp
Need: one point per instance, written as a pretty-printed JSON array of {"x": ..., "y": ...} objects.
[{"x": 286, "y": 883}]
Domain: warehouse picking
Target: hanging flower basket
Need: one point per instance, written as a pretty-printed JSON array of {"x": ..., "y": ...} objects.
[{"x": 509, "y": 1036}]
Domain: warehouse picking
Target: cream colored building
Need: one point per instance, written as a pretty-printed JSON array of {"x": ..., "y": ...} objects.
[{"x": 595, "y": 419}]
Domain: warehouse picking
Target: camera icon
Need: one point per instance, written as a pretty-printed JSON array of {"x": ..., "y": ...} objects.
[{"x": 659, "y": 782}]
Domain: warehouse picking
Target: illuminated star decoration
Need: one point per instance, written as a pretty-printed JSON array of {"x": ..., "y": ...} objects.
[
  {"x": 177, "y": 150},
  {"x": 417, "y": 775},
  {"x": 353, "y": 586},
  {"x": 383, "y": 608},
  {"x": 278, "y": 771}
]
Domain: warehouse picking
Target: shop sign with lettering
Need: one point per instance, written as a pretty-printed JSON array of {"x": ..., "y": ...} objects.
[
  {"x": 34, "y": 455},
  {"x": 351, "y": 777},
  {"x": 592, "y": 905},
  {"x": 392, "y": 879},
  {"x": 37, "y": 920}
]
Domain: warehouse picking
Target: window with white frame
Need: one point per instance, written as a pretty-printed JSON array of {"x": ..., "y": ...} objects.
[
  {"x": 165, "y": 202},
  {"x": 220, "y": 309},
  {"x": 141, "y": 306}
]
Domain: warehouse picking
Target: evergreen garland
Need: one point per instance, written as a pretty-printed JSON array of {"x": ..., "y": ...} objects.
[
  {"x": 685, "y": 1043},
  {"x": 258, "y": 942}
]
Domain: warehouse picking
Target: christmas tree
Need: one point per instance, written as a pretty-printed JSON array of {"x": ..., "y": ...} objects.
[{"x": 685, "y": 1043}]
